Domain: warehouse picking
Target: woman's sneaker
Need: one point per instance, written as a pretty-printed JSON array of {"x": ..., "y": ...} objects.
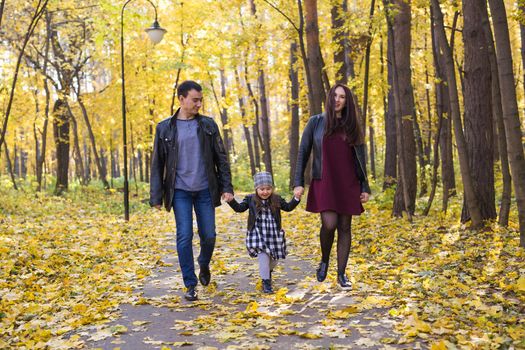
[
  {"x": 343, "y": 282},
  {"x": 267, "y": 286}
]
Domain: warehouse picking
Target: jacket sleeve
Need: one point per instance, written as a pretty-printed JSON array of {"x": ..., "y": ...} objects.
[
  {"x": 221, "y": 163},
  {"x": 361, "y": 159},
  {"x": 157, "y": 171},
  {"x": 240, "y": 207},
  {"x": 289, "y": 206},
  {"x": 305, "y": 148}
]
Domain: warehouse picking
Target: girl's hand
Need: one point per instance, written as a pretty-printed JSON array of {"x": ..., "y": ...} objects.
[
  {"x": 298, "y": 191},
  {"x": 364, "y": 197}
]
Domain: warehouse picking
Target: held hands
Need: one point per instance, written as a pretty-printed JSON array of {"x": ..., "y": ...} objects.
[
  {"x": 364, "y": 197},
  {"x": 228, "y": 197},
  {"x": 298, "y": 192}
]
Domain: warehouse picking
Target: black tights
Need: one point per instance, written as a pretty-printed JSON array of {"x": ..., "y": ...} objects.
[{"x": 329, "y": 222}]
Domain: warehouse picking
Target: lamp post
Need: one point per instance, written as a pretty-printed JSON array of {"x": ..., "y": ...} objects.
[{"x": 155, "y": 33}]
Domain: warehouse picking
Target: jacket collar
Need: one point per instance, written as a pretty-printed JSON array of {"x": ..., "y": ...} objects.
[{"x": 173, "y": 118}]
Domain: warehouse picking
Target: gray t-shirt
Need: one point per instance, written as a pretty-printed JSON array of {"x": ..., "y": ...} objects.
[{"x": 190, "y": 173}]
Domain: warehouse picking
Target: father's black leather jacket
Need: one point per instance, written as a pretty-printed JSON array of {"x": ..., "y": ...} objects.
[
  {"x": 313, "y": 136},
  {"x": 165, "y": 155}
]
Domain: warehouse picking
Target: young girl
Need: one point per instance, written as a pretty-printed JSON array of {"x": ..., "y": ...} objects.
[{"x": 265, "y": 237}]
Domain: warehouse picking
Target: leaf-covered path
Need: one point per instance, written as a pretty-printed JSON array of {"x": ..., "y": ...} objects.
[
  {"x": 232, "y": 312},
  {"x": 73, "y": 274}
]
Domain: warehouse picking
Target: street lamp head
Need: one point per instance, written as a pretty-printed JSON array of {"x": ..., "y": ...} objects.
[{"x": 156, "y": 32}]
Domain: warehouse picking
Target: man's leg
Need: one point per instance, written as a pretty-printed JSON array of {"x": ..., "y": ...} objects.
[
  {"x": 182, "y": 205},
  {"x": 205, "y": 213}
]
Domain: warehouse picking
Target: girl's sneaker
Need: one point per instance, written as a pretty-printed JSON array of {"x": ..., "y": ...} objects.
[
  {"x": 343, "y": 282},
  {"x": 267, "y": 286}
]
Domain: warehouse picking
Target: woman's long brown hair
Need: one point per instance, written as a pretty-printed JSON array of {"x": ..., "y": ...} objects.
[{"x": 348, "y": 121}]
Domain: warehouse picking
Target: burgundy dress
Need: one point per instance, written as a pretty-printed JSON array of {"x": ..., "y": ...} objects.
[{"x": 338, "y": 189}]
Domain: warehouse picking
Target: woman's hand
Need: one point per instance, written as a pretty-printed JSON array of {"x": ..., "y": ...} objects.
[{"x": 364, "y": 197}]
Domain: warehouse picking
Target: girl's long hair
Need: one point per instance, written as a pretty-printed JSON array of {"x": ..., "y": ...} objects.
[
  {"x": 274, "y": 202},
  {"x": 348, "y": 121}
]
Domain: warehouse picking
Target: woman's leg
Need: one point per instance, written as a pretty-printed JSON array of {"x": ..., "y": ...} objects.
[
  {"x": 344, "y": 241},
  {"x": 328, "y": 226}
]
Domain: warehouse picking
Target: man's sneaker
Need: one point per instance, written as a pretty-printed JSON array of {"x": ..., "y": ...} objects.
[
  {"x": 204, "y": 275},
  {"x": 191, "y": 294},
  {"x": 267, "y": 286},
  {"x": 343, "y": 282},
  {"x": 322, "y": 270}
]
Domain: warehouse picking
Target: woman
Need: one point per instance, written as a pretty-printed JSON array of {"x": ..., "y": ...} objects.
[{"x": 339, "y": 184}]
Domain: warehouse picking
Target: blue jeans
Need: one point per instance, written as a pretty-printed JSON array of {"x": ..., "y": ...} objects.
[{"x": 183, "y": 203}]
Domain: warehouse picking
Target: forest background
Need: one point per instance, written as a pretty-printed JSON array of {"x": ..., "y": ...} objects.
[{"x": 439, "y": 90}]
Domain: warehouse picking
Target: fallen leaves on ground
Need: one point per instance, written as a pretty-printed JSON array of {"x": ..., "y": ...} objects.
[{"x": 67, "y": 263}]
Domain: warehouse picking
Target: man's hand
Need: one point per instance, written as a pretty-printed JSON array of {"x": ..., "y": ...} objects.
[
  {"x": 228, "y": 197},
  {"x": 158, "y": 207},
  {"x": 298, "y": 192},
  {"x": 364, "y": 197}
]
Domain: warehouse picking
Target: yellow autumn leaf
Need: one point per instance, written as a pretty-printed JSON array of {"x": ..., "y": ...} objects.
[
  {"x": 439, "y": 346},
  {"x": 520, "y": 284},
  {"x": 310, "y": 335}
]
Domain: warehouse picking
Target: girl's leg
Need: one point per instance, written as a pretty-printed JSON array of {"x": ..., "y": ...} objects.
[
  {"x": 328, "y": 226},
  {"x": 264, "y": 265},
  {"x": 273, "y": 263},
  {"x": 344, "y": 241}
]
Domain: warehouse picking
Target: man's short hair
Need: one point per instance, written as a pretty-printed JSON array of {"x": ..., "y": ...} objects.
[{"x": 186, "y": 86}]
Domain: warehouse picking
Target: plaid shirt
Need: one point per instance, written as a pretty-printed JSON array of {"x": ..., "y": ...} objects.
[{"x": 266, "y": 237}]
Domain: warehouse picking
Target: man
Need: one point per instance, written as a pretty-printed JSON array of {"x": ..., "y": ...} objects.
[{"x": 190, "y": 170}]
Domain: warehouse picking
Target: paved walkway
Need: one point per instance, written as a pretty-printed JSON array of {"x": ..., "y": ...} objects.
[{"x": 232, "y": 312}]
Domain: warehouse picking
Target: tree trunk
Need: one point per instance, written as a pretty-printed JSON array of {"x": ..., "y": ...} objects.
[
  {"x": 497, "y": 115},
  {"x": 521, "y": 5},
  {"x": 265, "y": 123},
  {"x": 133, "y": 159},
  {"x": 406, "y": 144},
  {"x": 294, "y": 126},
  {"x": 447, "y": 166},
  {"x": 61, "y": 136},
  {"x": 2, "y": 3},
  {"x": 41, "y": 156},
  {"x": 314, "y": 57},
  {"x": 443, "y": 114},
  {"x": 245, "y": 123},
  {"x": 435, "y": 167},
  {"x": 470, "y": 195},
  {"x": 367, "y": 67},
  {"x": 141, "y": 165},
  {"x": 255, "y": 126},
  {"x": 420, "y": 155},
  {"x": 79, "y": 163},
  {"x": 222, "y": 111},
  {"x": 340, "y": 38},
  {"x": 10, "y": 168},
  {"x": 372, "y": 151},
  {"x": 226, "y": 130},
  {"x": 101, "y": 173},
  {"x": 478, "y": 109},
  {"x": 390, "y": 176},
  {"x": 16, "y": 161},
  {"x": 509, "y": 104}
]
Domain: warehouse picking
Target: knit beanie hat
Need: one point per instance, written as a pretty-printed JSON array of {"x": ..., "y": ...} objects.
[{"x": 262, "y": 178}]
